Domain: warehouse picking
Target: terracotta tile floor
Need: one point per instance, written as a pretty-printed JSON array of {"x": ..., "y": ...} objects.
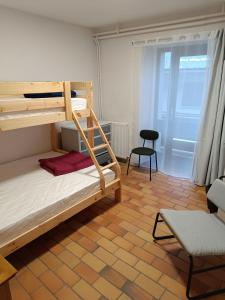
[{"x": 107, "y": 252}]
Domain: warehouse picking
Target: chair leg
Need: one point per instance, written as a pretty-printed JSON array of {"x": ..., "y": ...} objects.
[
  {"x": 139, "y": 161},
  {"x": 156, "y": 162},
  {"x": 150, "y": 167},
  {"x": 129, "y": 163}
]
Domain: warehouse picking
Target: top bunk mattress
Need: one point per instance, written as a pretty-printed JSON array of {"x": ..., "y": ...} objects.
[{"x": 30, "y": 195}]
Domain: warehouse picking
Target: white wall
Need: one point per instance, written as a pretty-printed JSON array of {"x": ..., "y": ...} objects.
[
  {"x": 37, "y": 49},
  {"x": 116, "y": 67}
]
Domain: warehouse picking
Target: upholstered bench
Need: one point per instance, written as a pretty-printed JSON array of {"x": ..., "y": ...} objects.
[{"x": 199, "y": 233}]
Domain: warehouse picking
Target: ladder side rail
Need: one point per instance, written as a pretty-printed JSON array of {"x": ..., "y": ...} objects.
[
  {"x": 90, "y": 132},
  {"x": 105, "y": 140},
  {"x": 91, "y": 153}
]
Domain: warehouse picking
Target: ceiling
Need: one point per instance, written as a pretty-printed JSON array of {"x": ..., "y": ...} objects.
[{"x": 102, "y": 13}]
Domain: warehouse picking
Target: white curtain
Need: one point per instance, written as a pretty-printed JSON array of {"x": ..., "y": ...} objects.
[
  {"x": 210, "y": 153},
  {"x": 171, "y": 84}
]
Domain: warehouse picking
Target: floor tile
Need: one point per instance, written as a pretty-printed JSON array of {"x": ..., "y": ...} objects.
[
  {"x": 113, "y": 276},
  {"x": 86, "y": 291},
  {"x": 107, "y": 289},
  {"x": 67, "y": 275},
  {"x": 107, "y": 252},
  {"x": 67, "y": 293},
  {"x": 86, "y": 272},
  {"x": 93, "y": 261},
  {"x": 51, "y": 281}
]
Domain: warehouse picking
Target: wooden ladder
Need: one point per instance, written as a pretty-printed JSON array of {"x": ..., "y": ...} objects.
[{"x": 93, "y": 124}]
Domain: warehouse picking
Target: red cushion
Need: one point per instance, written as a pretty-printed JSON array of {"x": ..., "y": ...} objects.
[{"x": 67, "y": 163}]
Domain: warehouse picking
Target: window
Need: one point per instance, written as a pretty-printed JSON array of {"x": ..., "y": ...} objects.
[{"x": 180, "y": 80}]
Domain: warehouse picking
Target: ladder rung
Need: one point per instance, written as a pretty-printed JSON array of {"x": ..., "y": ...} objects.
[
  {"x": 108, "y": 166},
  {"x": 100, "y": 147},
  {"x": 90, "y": 128}
]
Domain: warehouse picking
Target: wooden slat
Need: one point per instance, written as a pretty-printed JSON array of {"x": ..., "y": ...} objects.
[
  {"x": 102, "y": 146},
  {"x": 16, "y": 97},
  {"x": 81, "y": 85},
  {"x": 31, "y": 104},
  {"x": 90, "y": 128},
  {"x": 27, "y": 121},
  {"x": 20, "y": 88},
  {"x": 108, "y": 166}
]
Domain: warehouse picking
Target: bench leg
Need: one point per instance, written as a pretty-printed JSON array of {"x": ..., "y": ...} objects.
[
  {"x": 192, "y": 271},
  {"x": 197, "y": 271},
  {"x": 163, "y": 237}
]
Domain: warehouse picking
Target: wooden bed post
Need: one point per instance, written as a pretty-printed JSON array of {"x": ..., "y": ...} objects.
[
  {"x": 118, "y": 194},
  {"x": 7, "y": 271},
  {"x": 68, "y": 111},
  {"x": 54, "y": 137},
  {"x": 5, "y": 293},
  {"x": 67, "y": 99}
]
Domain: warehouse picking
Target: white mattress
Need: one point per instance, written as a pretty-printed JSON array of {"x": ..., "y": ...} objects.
[
  {"x": 76, "y": 103},
  {"x": 30, "y": 195}
]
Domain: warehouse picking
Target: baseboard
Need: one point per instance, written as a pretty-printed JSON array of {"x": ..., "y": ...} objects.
[{"x": 122, "y": 160}]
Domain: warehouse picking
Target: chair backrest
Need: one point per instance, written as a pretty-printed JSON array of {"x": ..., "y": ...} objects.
[
  {"x": 216, "y": 194},
  {"x": 150, "y": 135}
]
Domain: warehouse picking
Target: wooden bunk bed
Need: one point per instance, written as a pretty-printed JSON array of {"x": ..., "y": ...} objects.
[{"x": 17, "y": 112}]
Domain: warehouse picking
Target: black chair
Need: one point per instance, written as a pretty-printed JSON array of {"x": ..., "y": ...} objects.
[{"x": 150, "y": 135}]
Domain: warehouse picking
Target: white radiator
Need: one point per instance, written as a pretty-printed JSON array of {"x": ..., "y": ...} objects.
[{"x": 120, "y": 139}]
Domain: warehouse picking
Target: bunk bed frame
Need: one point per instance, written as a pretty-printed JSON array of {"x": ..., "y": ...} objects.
[{"x": 17, "y": 105}]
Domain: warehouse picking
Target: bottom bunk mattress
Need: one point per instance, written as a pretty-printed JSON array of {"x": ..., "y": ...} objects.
[{"x": 30, "y": 195}]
